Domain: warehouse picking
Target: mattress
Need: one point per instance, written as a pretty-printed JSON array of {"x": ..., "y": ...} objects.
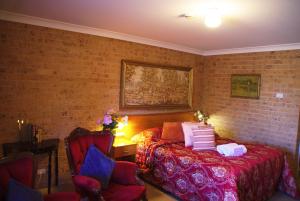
[{"x": 209, "y": 176}]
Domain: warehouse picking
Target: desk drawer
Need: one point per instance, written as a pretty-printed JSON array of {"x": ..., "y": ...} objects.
[{"x": 122, "y": 151}]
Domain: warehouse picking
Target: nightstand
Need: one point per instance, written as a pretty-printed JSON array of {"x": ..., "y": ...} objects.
[{"x": 123, "y": 150}]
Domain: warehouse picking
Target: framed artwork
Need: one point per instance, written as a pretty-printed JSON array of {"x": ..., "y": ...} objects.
[
  {"x": 151, "y": 86},
  {"x": 245, "y": 85}
]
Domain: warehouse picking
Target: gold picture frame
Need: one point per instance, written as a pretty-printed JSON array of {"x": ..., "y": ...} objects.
[
  {"x": 245, "y": 85},
  {"x": 152, "y": 86}
]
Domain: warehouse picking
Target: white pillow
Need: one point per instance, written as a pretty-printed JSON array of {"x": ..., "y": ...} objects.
[{"x": 187, "y": 128}]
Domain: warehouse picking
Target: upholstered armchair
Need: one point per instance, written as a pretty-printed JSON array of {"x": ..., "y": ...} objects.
[
  {"x": 124, "y": 184},
  {"x": 22, "y": 169}
]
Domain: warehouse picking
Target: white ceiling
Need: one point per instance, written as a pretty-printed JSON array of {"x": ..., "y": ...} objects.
[{"x": 246, "y": 23}]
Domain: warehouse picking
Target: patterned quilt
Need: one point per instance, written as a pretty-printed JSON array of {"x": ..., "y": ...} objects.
[{"x": 209, "y": 176}]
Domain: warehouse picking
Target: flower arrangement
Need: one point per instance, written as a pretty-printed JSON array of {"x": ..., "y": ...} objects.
[
  {"x": 201, "y": 116},
  {"x": 112, "y": 121}
]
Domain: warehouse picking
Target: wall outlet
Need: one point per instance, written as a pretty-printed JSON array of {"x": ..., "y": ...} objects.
[
  {"x": 41, "y": 171},
  {"x": 279, "y": 95}
]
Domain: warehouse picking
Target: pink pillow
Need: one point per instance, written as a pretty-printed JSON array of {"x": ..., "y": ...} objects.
[
  {"x": 172, "y": 131},
  {"x": 188, "y": 133},
  {"x": 204, "y": 138}
]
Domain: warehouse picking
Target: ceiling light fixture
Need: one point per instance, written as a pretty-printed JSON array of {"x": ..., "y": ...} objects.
[{"x": 212, "y": 19}]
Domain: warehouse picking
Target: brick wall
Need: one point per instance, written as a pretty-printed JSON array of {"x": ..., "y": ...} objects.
[
  {"x": 266, "y": 120},
  {"x": 60, "y": 80}
]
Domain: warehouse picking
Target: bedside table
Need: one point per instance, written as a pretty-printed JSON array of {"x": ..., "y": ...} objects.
[{"x": 123, "y": 150}]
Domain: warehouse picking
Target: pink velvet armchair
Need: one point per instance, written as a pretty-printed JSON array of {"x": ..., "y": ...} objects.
[
  {"x": 124, "y": 184},
  {"x": 22, "y": 168}
]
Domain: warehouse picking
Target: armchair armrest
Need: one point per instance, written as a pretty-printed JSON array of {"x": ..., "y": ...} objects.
[
  {"x": 125, "y": 173},
  {"x": 87, "y": 185}
]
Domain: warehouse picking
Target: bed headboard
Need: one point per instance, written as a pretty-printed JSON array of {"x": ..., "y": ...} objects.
[{"x": 137, "y": 123}]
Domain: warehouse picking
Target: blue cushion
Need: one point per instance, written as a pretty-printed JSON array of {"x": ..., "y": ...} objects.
[
  {"x": 97, "y": 165},
  {"x": 20, "y": 192}
]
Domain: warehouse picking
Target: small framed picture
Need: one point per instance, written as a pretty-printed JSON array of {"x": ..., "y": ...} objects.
[{"x": 245, "y": 85}]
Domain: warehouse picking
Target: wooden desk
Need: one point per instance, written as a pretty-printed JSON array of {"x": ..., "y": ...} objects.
[
  {"x": 123, "y": 149},
  {"x": 46, "y": 146}
]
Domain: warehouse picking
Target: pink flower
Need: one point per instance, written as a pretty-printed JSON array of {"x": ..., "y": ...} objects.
[
  {"x": 99, "y": 121},
  {"x": 125, "y": 119},
  {"x": 107, "y": 119}
]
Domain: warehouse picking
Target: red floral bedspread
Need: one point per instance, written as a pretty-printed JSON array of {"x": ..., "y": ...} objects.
[{"x": 209, "y": 176}]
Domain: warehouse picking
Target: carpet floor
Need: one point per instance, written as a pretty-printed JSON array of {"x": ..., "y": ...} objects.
[{"x": 154, "y": 194}]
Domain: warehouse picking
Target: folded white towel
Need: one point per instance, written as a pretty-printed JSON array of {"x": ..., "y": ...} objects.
[
  {"x": 226, "y": 149},
  {"x": 232, "y": 149},
  {"x": 239, "y": 150}
]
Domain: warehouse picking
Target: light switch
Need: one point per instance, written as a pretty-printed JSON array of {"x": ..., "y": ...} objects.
[{"x": 279, "y": 95}]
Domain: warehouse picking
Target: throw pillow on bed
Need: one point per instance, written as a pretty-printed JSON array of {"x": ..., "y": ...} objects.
[
  {"x": 97, "y": 165},
  {"x": 148, "y": 134},
  {"x": 203, "y": 138},
  {"x": 188, "y": 133},
  {"x": 19, "y": 192},
  {"x": 172, "y": 131}
]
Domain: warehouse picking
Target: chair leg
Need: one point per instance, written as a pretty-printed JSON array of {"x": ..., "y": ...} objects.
[
  {"x": 84, "y": 199},
  {"x": 144, "y": 198}
]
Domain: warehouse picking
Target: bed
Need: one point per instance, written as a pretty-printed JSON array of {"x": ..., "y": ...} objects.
[{"x": 209, "y": 176}]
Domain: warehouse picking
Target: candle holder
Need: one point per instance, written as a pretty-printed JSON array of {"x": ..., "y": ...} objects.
[{"x": 20, "y": 124}]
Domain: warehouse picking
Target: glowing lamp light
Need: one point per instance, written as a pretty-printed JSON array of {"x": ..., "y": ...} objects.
[
  {"x": 119, "y": 134},
  {"x": 212, "y": 18},
  {"x": 121, "y": 125}
]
